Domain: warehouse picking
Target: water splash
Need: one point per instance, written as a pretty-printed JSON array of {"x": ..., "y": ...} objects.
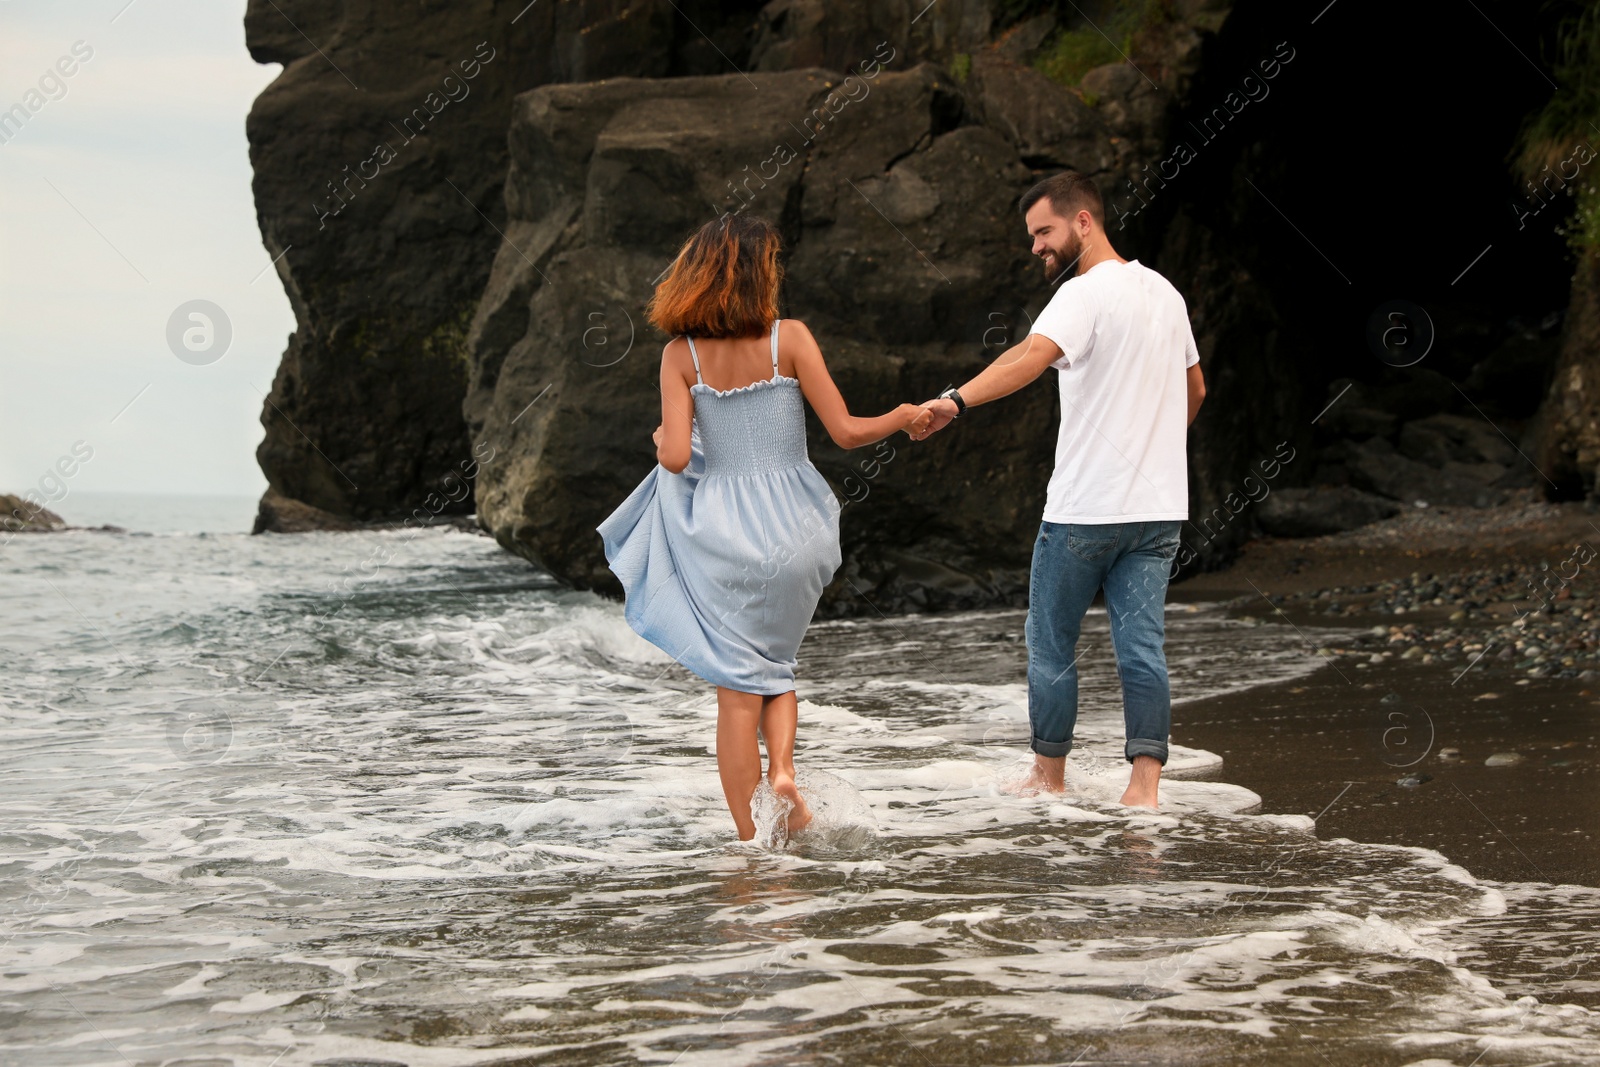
[
  {"x": 451, "y": 813},
  {"x": 842, "y": 823}
]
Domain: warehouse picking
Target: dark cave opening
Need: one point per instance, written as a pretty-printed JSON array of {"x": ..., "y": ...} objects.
[{"x": 1373, "y": 167}]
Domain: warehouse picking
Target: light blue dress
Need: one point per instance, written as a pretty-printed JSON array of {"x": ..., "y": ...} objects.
[{"x": 723, "y": 564}]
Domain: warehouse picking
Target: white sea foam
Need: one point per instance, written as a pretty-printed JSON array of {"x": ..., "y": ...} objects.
[{"x": 455, "y": 805}]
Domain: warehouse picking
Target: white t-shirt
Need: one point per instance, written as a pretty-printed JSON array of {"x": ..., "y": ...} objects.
[{"x": 1125, "y": 342}]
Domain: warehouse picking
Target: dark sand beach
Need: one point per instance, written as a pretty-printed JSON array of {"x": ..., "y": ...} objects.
[{"x": 1392, "y": 740}]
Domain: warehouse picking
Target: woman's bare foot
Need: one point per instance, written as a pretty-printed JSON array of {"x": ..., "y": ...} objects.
[{"x": 799, "y": 812}]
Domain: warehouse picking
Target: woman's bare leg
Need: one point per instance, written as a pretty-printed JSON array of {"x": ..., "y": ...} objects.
[
  {"x": 780, "y": 715},
  {"x": 739, "y": 754}
]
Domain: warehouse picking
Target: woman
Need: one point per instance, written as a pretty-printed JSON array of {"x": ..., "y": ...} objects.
[{"x": 724, "y": 549}]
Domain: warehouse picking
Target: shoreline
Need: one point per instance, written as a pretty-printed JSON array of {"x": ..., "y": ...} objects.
[{"x": 1444, "y": 720}]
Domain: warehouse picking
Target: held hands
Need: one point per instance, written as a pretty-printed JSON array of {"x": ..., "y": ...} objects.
[
  {"x": 939, "y": 413},
  {"x": 916, "y": 419}
]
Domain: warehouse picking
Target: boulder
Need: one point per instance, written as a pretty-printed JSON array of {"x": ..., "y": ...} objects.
[
  {"x": 1354, "y": 410},
  {"x": 281, "y": 514},
  {"x": 1020, "y": 42},
  {"x": 1512, "y": 379},
  {"x": 1048, "y": 126},
  {"x": 908, "y": 271},
  {"x": 18, "y": 515},
  {"x": 835, "y": 35},
  {"x": 1376, "y": 466},
  {"x": 1312, "y": 512},
  {"x": 1443, "y": 439},
  {"x": 1134, "y": 108}
]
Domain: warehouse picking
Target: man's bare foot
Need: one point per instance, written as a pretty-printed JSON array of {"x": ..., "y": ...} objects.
[
  {"x": 1142, "y": 783},
  {"x": 799, "y": 812},
  {"x": 1048, "y": 775}
]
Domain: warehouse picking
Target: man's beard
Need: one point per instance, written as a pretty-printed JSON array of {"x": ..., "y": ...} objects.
[{"x": 1063, "y": 263}]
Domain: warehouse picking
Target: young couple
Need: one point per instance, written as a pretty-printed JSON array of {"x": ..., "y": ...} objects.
[{"x": 725, "y": 547}]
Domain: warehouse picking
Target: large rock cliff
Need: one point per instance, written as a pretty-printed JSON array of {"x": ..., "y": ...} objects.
[
  {"x": 902, "y": 243},
  {"x": 470, "y": 203},
  {"x": 391, "y": 177},
  {"x": 379, "y": 155},
  {"x": 896, "y": 191}
]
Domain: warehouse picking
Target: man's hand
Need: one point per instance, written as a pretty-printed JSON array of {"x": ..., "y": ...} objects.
[
  {"x": 942, "y": 411},
  {"x": 656, "y": 437}
]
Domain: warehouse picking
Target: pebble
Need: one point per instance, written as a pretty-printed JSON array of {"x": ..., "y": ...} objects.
[
  {"x": 1503, "y": 759},
  {"x": 1411, "y": 781},
  {"x": 1449, "y": 753},
  {"x": 1484, "y": 617}
]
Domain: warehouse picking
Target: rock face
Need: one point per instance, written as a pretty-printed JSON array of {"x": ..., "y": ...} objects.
[
  {"x": 469, "y": 266},
  {"x": 895, "y": 188},
  {"x": 828, "y": 34},
  {"x": 898, "y": 260},
  {"x": 1566, "y": 436},
  {"x": 280, "y": 514},
  {"x": 379, "y": 155}
]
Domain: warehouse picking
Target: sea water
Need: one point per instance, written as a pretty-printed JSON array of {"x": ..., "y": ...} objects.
[{"x": 396, "y": 798}]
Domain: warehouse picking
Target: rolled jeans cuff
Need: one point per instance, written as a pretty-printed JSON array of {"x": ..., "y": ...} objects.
[
  {"x": 1051, "y": 749},
  {"x": 1144, "y": 746}
]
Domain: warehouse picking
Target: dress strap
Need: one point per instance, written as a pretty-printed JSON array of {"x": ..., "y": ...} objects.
[
  {"x": 696, "y": 357},
  {"x": 775, "y": 346}
]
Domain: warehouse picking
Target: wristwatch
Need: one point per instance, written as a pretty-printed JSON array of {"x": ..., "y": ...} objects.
[{"x": 951, "y": 394}]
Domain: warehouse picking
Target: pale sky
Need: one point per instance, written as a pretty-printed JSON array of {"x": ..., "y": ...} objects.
[{"x": 121, "y": 198}]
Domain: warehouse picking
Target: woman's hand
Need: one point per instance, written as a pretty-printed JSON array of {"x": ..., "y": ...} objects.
[
  {"x": 656, "y": 437},
  {"x": 917, "y": 419},
  {"x": 939, "y": 413}
]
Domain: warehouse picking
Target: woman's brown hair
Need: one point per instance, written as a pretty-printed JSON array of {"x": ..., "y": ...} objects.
[{"x": 724, "y": 282}]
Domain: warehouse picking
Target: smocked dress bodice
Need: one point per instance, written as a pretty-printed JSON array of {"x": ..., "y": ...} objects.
[{"x": 751, "y": 430}]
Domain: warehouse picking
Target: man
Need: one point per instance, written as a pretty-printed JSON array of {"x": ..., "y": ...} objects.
[{"x": 1130, "y": 382}]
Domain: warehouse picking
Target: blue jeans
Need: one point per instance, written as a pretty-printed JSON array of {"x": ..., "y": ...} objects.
[{"x": 1131, "y": 560}]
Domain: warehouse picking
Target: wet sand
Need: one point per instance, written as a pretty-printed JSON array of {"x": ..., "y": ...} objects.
[
  {"x": 1319, "y": 749},
  {"x": 1364, "y": 745}
]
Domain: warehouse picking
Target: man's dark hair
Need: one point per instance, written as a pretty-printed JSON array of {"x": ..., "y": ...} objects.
[{"x": 1069, "y": 193}]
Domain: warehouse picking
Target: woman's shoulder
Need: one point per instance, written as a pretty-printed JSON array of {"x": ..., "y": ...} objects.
[
  {"x": 675, "y": 359},
  {"x": 794, "y": 332},
  {"x": 676, "y": 352}
]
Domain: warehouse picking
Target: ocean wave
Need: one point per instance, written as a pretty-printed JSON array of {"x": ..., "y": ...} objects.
[{"x": 451, "y": 814}]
